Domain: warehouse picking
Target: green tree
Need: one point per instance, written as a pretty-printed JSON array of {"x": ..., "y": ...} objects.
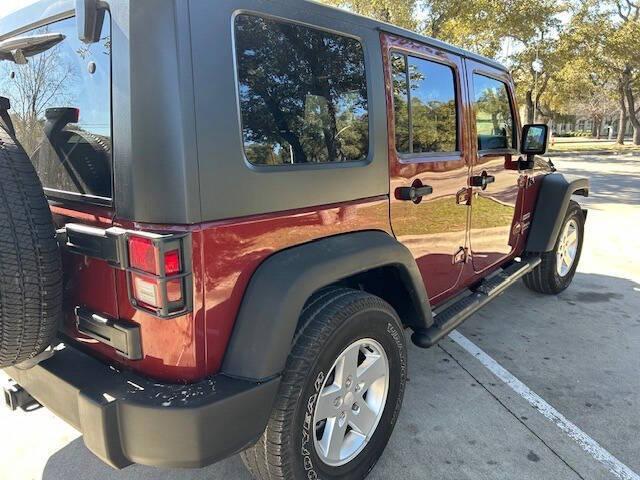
[
  {"x": 608, "y": 52},
  {"x": 398, "y": 12}
]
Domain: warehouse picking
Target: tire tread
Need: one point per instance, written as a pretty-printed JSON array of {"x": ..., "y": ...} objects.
[{"x": 31, "y": 284}]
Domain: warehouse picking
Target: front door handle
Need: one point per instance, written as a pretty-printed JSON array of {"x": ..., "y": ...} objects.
[
  {"x": 482, "y": 180},
  {"x": 413, "y": 194}
]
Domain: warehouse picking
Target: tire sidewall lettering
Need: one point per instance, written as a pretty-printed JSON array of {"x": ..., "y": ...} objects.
[
  {"x": 308, "y": 428},
  {"x": 397, "y": 338},
  {"x": 307, "y": 444}
]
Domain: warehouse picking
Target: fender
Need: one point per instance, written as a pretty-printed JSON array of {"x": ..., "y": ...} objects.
[
  {"x": 281, "y": 285},
  {"x": 551, "y": 208}
]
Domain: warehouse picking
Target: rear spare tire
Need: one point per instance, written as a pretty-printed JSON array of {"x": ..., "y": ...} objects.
[{"x": 31, "y": 276}]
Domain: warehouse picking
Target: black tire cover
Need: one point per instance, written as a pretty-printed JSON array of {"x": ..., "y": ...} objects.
[{"x": 31, "y": 268}]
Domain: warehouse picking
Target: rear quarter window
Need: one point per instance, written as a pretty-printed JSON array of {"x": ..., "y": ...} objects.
[
  {"x": 72, "y": 155},
  {"x": 303, "y": 93}
]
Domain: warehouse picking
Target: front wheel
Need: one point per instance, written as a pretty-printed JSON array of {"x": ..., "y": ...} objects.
[
  {"x": 341, "y": 391},
  {"x": 556, "y": 271}
]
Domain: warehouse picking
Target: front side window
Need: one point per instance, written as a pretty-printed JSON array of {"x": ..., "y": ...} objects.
[
  {"x": 303, "y": 94},
  {"x": 424, "y": 94},
  {"x": 494, "y": 117},
  {"x": 61, "y": 110}
]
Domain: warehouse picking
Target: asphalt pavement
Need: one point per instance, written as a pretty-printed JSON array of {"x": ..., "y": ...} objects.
[{"x": 578, "y": 352}]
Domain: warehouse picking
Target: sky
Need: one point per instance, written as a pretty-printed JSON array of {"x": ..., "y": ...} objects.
[{"x": 8, "y": 6}]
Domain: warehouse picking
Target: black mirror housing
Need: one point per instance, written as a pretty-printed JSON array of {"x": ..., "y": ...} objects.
[
  {"x": 90, "y": 15},
  {"x": 535, "y": 138}
]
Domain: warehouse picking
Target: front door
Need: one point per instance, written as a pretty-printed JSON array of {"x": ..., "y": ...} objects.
[
  {"x": 428, "y": 159},
  {"x": 494, "y": 178}
]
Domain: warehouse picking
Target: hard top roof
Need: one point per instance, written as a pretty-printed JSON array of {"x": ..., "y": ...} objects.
[{"x": 28, "y": 17}]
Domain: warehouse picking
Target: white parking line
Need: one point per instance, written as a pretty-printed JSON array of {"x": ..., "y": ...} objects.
[{"x": 587, "y": 443}]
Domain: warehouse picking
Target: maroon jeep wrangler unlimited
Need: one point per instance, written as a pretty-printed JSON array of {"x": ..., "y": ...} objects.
[{"x": 218, "y": 218}]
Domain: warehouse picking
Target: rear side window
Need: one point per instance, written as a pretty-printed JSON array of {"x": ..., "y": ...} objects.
[
  {"x": 61, "y": 110},
  {"x": 424, "y": 94},
  {"x": 494, "y": 116},
  {"x": 303, "y": 94}
]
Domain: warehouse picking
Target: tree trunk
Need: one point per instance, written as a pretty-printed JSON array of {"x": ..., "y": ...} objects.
[
  {"x": 594, "y": 127},
  {"x": 530, "y": 107},
  {"x": 622, "y": 122},
  {"x": 634, "y": 116},
  {"x": 622, "y": 127}
]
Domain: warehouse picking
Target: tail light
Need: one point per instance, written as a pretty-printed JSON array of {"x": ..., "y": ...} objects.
[{"x": 159, "y": 273}]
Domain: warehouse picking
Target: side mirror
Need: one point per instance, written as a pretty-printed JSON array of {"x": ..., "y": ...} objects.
[
  {"x": 89, "y": 16},
  {"x": 534, "y": 139}
]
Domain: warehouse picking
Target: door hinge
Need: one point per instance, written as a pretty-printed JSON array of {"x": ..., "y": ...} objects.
[
  {"x": 522, "y": 181},
  {"x": 525, "y": 181},
  {"x": 462, "y": 255},
  {"x": 463, "y": 196}
]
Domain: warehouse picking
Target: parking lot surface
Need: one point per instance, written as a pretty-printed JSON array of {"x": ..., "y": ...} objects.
[{"x": 579, "y": 352}]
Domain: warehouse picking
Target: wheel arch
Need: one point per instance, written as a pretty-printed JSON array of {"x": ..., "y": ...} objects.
[
  {"x": 551, "y": 207},
  {"x": 372, "y": 261}
]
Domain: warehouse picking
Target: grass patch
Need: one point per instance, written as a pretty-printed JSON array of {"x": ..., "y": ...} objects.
[{"x": 575, "y": 145}]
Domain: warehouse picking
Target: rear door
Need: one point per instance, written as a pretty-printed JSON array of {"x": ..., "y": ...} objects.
[
  {"x": 494, "y": 177},
  {"x": 428, "y": 151}
]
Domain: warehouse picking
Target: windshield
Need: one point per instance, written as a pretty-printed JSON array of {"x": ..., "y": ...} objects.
[{"x": 61, "y": 111}]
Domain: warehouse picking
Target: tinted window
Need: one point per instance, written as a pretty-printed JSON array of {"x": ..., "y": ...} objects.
[
  {"x": 72, "y": 157},
  {"x": 494, "y": 118},
  {"x": 424, "y": 105},
  {"x": 303, "y": 94},
  {"x": 401, "y": 103}
]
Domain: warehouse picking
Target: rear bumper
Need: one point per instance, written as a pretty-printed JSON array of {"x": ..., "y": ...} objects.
[{"x": 126, "y": 419}]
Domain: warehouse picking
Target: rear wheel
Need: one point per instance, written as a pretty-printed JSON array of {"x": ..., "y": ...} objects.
[
  {"x": 31, "y": 280},
  {"x": 340, "y": 394},
  {"x": 558, "y": 267}
]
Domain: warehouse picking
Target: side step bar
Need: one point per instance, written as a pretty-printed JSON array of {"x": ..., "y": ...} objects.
[{"x": 452, "y": 315}]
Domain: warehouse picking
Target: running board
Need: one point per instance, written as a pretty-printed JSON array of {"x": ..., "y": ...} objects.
[{"x": 452, "y": 315}]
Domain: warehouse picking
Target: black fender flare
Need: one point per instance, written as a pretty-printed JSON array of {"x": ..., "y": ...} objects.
[
  {"x": 280, "y": 286},
  {"x": 551, "y": 207}
]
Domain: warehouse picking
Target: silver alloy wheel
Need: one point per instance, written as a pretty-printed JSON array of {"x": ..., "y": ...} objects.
[
  {"x": 351, "y": 402},
  {"x": 567, "y": 248}
]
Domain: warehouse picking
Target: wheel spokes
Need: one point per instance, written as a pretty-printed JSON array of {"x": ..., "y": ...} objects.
[
  {"x": 329, "y": 402},
  {"x": 364, "y": 419},
  {"x": 372, "y": 369},
  {"x": 572, "y": 237},
  {"x": 333, "y": 438},
  {"x": 351, "y": 401}
]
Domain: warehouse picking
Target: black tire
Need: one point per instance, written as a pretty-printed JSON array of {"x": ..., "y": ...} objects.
[
  {"x": 545, "y": 277},
  {"x": 332, "y": 320},
  {"x": 31, "y": 280}
]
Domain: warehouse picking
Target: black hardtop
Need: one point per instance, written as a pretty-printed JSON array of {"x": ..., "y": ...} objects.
[{"x": 176, "y": 113}]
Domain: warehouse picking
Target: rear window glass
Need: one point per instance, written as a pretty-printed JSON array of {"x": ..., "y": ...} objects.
[
  {"x": 61, "y": 110},
  {"x": 303, "y": 94}
]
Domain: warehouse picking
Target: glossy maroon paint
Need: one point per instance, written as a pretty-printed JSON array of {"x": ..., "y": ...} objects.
[
  {"x": 234, "y": 249},
  {"x": 416, "y": 225},
  {"x": 225, "y": 255},
  {"x": 495, "y": 237}
]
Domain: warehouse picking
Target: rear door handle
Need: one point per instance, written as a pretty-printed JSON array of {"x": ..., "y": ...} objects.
[
  {"x": 413, "y": 194},
  {"x": 482, "y": 180}
]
